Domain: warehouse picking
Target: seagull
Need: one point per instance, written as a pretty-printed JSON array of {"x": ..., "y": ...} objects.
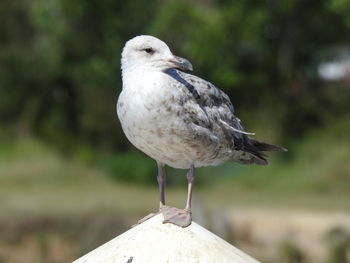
[{"x": 179, "y": 119}]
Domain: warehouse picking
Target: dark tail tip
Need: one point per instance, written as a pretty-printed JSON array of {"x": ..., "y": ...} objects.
[{"x": 262, "y": 146}]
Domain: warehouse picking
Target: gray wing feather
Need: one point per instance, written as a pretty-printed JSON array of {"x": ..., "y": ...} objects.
[
  {"x": 212, "y": 113},
  {"x": 215, "y": 103}
]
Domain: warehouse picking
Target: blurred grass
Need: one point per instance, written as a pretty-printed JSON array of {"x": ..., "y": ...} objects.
[
  {"x": 317, "y": 163},
  {"x": 67, "y": 203},
  {"x": 37, "y": 178}
]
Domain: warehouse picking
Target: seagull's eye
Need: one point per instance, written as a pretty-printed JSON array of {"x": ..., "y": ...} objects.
[{"x": 149, "y": 50}]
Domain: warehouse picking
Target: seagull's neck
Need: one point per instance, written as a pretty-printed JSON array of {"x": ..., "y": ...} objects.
[{"x": 132, "y": 73}]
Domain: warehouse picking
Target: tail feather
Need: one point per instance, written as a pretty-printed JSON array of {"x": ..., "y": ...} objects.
[
  {"x": 263, "y": 146},
  {"x": 256, "y": 154},
  {"x": 255, "y": 151}
]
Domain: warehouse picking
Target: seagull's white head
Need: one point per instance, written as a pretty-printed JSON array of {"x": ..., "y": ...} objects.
[{"x": 150, "y": 53}]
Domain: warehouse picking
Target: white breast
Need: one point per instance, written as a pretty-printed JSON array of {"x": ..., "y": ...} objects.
[{"x": 147, "y": 121}]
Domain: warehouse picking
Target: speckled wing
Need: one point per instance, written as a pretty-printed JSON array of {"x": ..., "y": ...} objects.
[{"x": 212, "y": 114}]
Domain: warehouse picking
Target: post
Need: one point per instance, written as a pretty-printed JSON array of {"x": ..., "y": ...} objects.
[{"x": 155, "y": 242}]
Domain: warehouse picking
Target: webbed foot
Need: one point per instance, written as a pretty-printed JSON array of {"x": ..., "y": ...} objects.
[{"x": 176, "y": 216}]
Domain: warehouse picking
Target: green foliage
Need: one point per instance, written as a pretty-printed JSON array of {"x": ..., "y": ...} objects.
[
  {"x": 59, "y": 60},
  {"x": 59, "y": 72},
  {"x": 131, "y": 167}
]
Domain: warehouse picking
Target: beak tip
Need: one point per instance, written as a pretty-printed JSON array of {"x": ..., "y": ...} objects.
[
  {"x": 183, "y": 64},
  {"x": 187, "y": 65}
]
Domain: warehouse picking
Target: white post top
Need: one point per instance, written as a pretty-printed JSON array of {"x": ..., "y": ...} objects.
[{"x": 155, "y": 242}]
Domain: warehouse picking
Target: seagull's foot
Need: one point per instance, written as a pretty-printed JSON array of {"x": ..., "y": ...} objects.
[
  {"x": 146, "y": 218},
  {"x": 176, "y": 216}
]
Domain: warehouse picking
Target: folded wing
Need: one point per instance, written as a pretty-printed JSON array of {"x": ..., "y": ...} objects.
[{"x": 211, "y": 109}]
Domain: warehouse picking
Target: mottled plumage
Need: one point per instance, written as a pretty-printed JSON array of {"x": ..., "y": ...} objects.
[
  {"x": 177, "y": 118},
  {"x": 218, "y": 126}
]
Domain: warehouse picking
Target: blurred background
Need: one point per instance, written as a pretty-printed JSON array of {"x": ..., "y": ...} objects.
[{"x": 70, "y": 180}]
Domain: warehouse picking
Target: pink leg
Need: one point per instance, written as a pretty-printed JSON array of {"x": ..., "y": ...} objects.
[
  {"x": 190, "y": 180},
  {"x": 181, "y": 217},
  {"x": 161, "y": 184}
]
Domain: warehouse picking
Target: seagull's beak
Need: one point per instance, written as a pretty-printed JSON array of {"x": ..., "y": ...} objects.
[{"x": 181, "y": 63}]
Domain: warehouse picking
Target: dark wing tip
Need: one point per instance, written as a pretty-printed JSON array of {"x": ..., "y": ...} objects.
[{"x": 263, "y": 146}]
